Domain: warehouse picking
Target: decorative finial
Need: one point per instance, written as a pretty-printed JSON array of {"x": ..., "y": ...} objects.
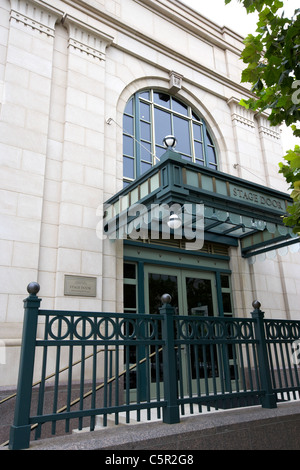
[
  {"x": 166, "y": 298},
  {"x": 256, "y": 304},
  {"x": 33, "y": 288}
]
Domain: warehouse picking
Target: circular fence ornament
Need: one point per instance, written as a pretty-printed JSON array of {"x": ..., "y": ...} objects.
[
  {"x": 147, "y": 329},
  {"x": 59, "y": 328},
  {"x": 187, "y": 329},
  {"x": 127, "y": 329},
  {"x": 107, "y": 328},
  {"x": 84, "y": 328}
]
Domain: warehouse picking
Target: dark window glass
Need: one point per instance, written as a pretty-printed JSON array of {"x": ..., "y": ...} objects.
[
  {"x": 145, "y": 95},
  {"x": 128, "y": 124},
  {"x": 145, "y": 167},
  {"x": 225, "y": 281},
  {"x": 199, "y": 296},
  {"x": 151, "y": 115},
  {"x": 159, "y": 151},
  {"x": 145, "y": 131},
  {"x": 129, "y": 271},
  {"x": 162, "y": 125},
  {"x": 181, "y": 131},
  {"x": 226, "y": 302},
  {"x": 209, "y": 139},
  {"x": 162, "y": 98},
  {"x": 128, "y": 167},
  {"x": 198, "y": 150},
  {"x": 194, "y": 116},
  {"x": 197, "y": 132},
  {"x": 129, "y": 296},
  {"x": 159, "y": 283},
  {"x": 129, "y": 107},
  {"x": 211, "y": 156},
  {"x": 179, "y": 107},
  {"x": 186, "y": 157},
  {"x": 128, "y": 148},
  {"x": 146, "y": 152},
  {"x": 144, "y": 111}
]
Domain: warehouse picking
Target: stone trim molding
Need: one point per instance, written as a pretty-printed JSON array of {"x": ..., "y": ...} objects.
[
  {"x": 248, "y": 118},
  {"x": 36, "y": 15},
  {"x": 175, "y": 82},
  {"x": 86, "y": 39},
  {"x": 241, "y": 114}
]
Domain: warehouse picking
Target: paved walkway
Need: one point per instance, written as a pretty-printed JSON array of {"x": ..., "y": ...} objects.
[{"x": 252, "y": 428}]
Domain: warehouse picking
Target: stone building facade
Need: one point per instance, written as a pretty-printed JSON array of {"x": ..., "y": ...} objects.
[{"x": 68, "y": 69}]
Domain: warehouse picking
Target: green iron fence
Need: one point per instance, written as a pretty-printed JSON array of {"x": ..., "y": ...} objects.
[{"x": 117, "y": 364}]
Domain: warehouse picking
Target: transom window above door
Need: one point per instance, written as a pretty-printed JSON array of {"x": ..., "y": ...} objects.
[{"x": 150, "y": 116}]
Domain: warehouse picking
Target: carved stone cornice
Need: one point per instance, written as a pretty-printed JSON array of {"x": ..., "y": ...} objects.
[
  {"x": 264, "y": 127},
  {"x": 35, "y": 15},
  {"x": 241, "y": 114},
  {"x": 175, "y": 82},
  {"x": 87, "y": 39}
]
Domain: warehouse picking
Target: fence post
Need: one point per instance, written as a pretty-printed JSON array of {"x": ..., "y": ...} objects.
[
  {"x": 269, "y": 400},
  {"x": 20, "y": 430},
  {"x": 171, "y": 412}
]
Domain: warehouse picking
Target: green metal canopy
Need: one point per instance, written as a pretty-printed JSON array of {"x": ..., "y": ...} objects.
[{"x": 233, "y": 209}]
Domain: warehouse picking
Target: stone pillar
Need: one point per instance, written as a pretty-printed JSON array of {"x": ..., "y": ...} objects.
[
  {"x": 24, "y": 125},
  {"x": 272, "y": 152},
  {"x": 23, "y": 133},
  {"x": 79, "y": 248},
  {"x": 248, "y": 163}
]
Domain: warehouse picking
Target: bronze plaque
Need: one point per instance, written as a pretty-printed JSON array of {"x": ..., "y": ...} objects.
[{"x": 81, "y": 286}]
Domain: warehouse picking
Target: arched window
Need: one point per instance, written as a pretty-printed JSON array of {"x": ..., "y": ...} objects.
[{"x": 151, "y": 115}]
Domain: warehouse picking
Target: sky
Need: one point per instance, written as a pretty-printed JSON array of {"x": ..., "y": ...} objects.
[{"x": 234, "y": 16}]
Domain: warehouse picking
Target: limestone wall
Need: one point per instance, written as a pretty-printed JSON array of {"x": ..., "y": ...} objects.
[{"x": 66, "y": 73}]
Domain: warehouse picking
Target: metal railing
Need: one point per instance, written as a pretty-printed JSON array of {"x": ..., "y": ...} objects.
[{"x": 163, "y": 362}]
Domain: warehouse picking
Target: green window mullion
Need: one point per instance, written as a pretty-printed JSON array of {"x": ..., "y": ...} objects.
[
  {"x": 154, "y": 161},
  {"x": 141, "y": 352},
  {"x": 205, "y": 153},
  {"x": 219, "y": 294},
  {"x": 172, "y": 125},
  {"x": 137, "y": 136},
  {"x": 145, "y": 121},
  {"x": 152, "y": 124},
  {"x": 206, "y": 145},
  {"x": 141, "y": 159},
  {"x": 192, "y": 140},
  {"x": 226, "y": 294}
]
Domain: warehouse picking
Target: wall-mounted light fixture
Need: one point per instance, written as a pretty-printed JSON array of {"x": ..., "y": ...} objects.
[
  {"x": 174, "y": 221},
  {"x": 170, "y": 141}
]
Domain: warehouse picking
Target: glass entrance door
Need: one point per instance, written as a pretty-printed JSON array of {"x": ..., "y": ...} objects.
[{"x": 193, "y": 293}]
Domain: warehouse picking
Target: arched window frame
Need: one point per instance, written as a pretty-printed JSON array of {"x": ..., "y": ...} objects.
[{"x": 142, "y": 142}]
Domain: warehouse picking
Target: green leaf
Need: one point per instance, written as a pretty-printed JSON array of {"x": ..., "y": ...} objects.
[
  {"x": 258, "y": 85},
  {"x": 272, "y": 58}
]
